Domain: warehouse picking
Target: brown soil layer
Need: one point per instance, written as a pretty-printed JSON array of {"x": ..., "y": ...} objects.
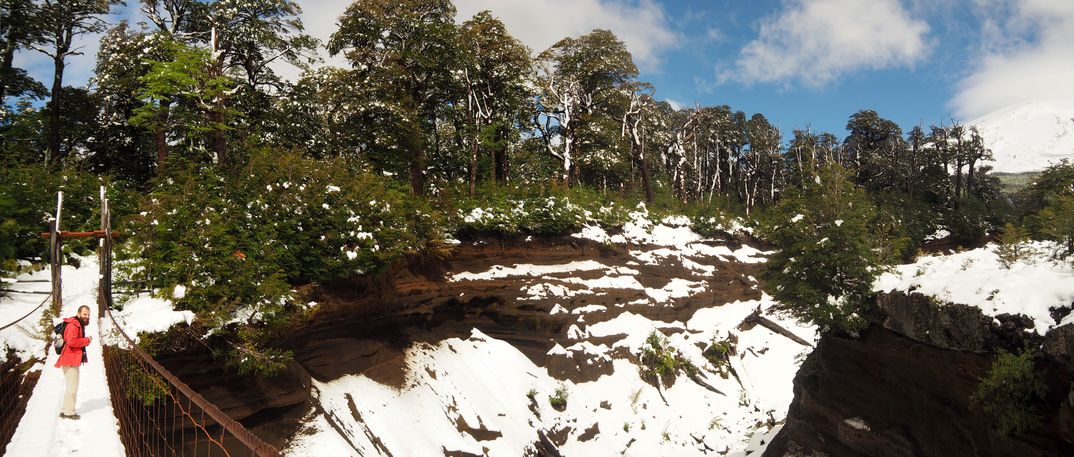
[{"x": 364, "y": 325}]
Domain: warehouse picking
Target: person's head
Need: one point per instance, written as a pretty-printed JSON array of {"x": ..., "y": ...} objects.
[{"x": 83, "y": 314}]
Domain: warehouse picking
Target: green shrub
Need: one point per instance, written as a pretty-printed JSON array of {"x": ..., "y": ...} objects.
[
  {"x": 827, "y": 259},
  {"x": 1011, "y": 245},
  {"x": 558, "y": 400},
  {"x": 969, "y": 223},
  {"x": 1056, "y": 222},
  {"x": 660, "y": 363},
  {"x": 244, "y": 241},
  {"x": 28, "y": 203},
  {"x": 1008, "y": 391},
  {"x": 719, "y": 353},
  {"x": 507, "y": 210}
]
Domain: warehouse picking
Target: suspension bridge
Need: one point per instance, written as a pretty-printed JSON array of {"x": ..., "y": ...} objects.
[{"x": 130, "y": 404}]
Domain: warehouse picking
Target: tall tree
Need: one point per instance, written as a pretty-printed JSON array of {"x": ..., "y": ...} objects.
[
  {"x": 826, "y": 264},
  {"x": 60, "y": 23},
  {"x": 494, "y": 73},
  {"x": 245, "y": 38},
  {"x": 976, "y": 151},
  {"x": 578, "y": 80},
  {"x": 406, "y": 49},
  {"x": 175, "y": 21},
  {"x": 17, "y": 31},
  {"x": 875, "y": 145},
  {"x": 762, "y": 164},
  {"x": 642, "y": 107},
  {"x": 124, "y": 58}
]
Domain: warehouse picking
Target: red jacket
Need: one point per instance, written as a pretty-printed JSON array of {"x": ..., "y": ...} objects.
[{"x": 72, "y": 354}]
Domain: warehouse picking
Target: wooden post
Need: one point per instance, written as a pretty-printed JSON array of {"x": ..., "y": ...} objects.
[
  {"x": 100, "y": 257},
  {"x": 56, "y": 257},
  {"x": 105, "y": 285}
]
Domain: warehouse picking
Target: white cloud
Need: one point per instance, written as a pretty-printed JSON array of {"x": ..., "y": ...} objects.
[
  {"x": 320, "y": 19},
  {"x": 1027, "y": 54},
  {"x": 642, "y": 25},
  {"x": 815, "y": 42}
]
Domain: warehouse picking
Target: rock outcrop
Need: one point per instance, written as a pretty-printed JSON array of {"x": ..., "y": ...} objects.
[{"x": 903, "y": 388}]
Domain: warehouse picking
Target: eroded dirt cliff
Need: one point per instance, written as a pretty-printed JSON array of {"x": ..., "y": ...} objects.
[{"x": 903, "y": 388}]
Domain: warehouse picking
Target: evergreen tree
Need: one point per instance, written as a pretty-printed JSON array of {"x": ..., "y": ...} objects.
[
  {"x": 825, "y": 266},
  {"x": 188, "y": 90},
  {"x": 404, "y": 52},
  {"x": 60, "y": 23},
  {"x": 876, "y": 146},
  {"x": 580, "y": 96},
  {"x": 1056, "y": 221},
  {"x": 1011, "y": 245},
  {"x": 123, "y": 60},
  {"x": 495, "y": 71},
  {"x": 18, "y": 31}
]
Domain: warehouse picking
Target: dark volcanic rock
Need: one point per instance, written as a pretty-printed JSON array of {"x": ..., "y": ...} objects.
[
  {"x": 952, "y": 325},
  {"x": 578, "y": 365},
  {"x": 1059, "y": 344},
  {"x": 887, "y": 395}
]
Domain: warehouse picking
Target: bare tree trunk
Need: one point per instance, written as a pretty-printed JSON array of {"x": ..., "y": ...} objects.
[
  {"x": 54, "y": 117},
  {"x": 473, "y": 167},
  {"x": 218, "y": 138},
  {"x": 160, "y": 136},
  {"x": 646, "y": 178},
  {"x": 7, "y": 67},
  {"x": 499, "y": 157},
  {"x": 417, "y": 160},
  {"x": 958, "y": 180}
]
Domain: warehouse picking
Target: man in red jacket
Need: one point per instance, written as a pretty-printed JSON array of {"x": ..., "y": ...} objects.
[{"x": 73, "y": 356}]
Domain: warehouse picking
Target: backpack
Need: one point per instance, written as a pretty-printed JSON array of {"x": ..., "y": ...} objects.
[{"x": 57, "y": 339}]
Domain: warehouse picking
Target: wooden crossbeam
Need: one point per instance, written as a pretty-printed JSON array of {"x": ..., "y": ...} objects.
[{"x": 93, "y": 234}]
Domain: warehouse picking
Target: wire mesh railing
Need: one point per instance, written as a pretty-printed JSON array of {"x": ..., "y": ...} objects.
[
  {"x": 159, "y": 415},
  {"x": 16, "y": 381}
]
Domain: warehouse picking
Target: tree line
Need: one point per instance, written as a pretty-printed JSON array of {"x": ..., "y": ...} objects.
[{"x": 431, "y": 101}]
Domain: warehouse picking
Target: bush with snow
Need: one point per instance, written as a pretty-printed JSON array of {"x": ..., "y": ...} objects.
[
  {"x": 503, "y": 210},
  {"x": 659, "y": 363},
  {"x": 246, "y": 239},
  {"x": 28, "y": 203},
  {"x": 827, "y": 259}
]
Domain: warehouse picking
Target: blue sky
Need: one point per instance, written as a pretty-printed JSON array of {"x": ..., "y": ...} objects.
[{"x": 802, "y": 63}]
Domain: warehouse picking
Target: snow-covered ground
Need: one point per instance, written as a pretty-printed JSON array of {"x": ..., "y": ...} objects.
[
  {"x": 1028, "y": 136},
  {"x": 25, "y": 336},
  {"x": 977, "y": 278},
  {"x": 41, "y": 432},
  {"x": 483, "y": 396}
]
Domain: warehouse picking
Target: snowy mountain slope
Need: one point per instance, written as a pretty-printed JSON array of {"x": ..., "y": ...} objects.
[
  {"x": 1028, "y": 136},
  {"x": 480, "y": 394}
]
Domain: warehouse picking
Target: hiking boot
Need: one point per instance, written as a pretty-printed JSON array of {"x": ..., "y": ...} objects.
[{"x": 70, "y": 416}]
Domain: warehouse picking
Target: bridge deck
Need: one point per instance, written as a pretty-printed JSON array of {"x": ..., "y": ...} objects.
[{"x": 41, "y": 432}]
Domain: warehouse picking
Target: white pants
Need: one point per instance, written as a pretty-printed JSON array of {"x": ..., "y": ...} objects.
[{"x": 70, "y": 376}]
